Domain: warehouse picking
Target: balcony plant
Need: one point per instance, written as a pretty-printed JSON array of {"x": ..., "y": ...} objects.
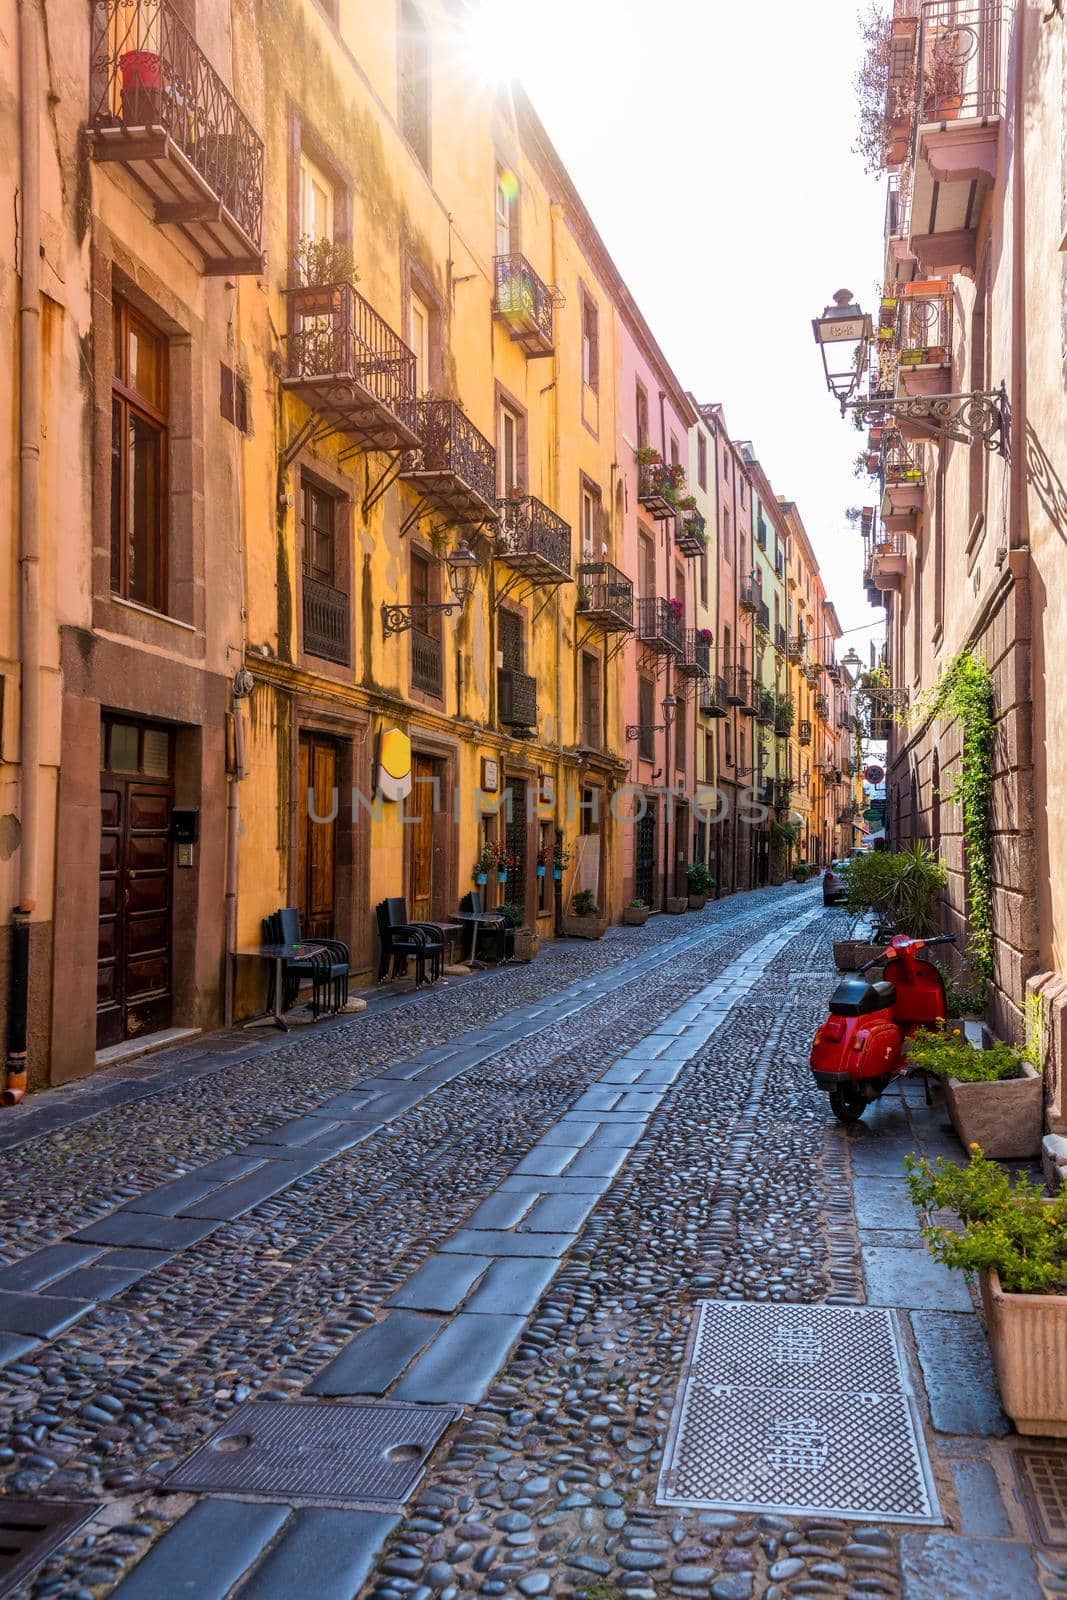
[
  {"x": 676, "y": 608},
  {"x": 1015, "y": 1239},
  {"x": 884, "y": 110},
  {"x": 561, "y": 858},
  {"x": 322, "y": 263},
  {"x": 636, "y": 914},
  {"x": 583, "y": 920},
  {"x": 705, "y": 635},
  {"x": 647, "y": 456},
  {"x": 484, "y": 865},
  {"x": 700, "y": 883},
  {"x": 503, "y": 861},
  {"x": 544, "y": 857}
]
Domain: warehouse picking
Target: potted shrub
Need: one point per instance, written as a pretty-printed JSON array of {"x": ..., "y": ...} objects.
[
  {"x": 484, "y": 865},
  {"x": 583, "y": 921},
  {"x": 1015, "y": 1239},
  {"x": 636, "y": 914},
  {"x": 700, "y": 882},
  {"x": 994, "y": 1096},
  {"x": 901, "y": 887},
  {"x": 524, "y": 947},
  {"x": 544, "y": 856},
  {"x": 560, "y": 858},
  {"x": 800, "y": 872}
]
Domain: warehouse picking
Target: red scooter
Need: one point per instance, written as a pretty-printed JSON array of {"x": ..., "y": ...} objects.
[{"x": 859, "y": 1049}]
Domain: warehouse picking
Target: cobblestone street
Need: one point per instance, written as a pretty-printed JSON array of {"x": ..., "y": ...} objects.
[{"x": 507, "y": 1196}]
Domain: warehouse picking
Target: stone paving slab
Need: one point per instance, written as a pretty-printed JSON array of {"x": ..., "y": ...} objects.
[
  {"x": 205, "y": 1553},
  {"x": 514, "y": 1284},
  {"x": 96, "y": 1282},
  {"x": 884, "y": 1203},
  {"x": 375, "y": 1359},
  {"x": 492, "y": 1242},
  {"x": 38, "y": 1315},
  {"x": 33, "y": 1272},
  {"x": 958, "y": 1375},
  {"x": 441, "y": 1283},
  {"x": 13, "y": 1346},
  {"x": 912, "y": 1280},
  {"x": 944, "y": 1566},
  {"x": 148, "y": 1233},
  {"x": 978, "y": 1494},
  {"x": 319, "y": 1555},
  {"x": 463, "y": 1360},
  {"x": 558, "y": 1213}
]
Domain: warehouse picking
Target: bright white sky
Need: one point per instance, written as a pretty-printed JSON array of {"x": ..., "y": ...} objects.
[{"x": 712, "y": 143}]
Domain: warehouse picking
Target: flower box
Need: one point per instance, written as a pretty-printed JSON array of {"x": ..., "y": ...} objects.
[
  {"x": 589, "y": 927},
  {"x": 851, "y": 954},
  {"x": 677, "y": 903},
  {"x": 636, "y": 916},
  {"x": 525, "y": 946},
  {"x": 1028, "y": 1343},
  {"x": 1004, "y": 1117}
]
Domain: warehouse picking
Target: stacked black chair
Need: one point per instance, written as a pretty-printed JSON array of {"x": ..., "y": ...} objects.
[
  {"x": 401, "y": 941},
  {"x": 495, "y": 933},
  {"x": 325, "y": 966}
]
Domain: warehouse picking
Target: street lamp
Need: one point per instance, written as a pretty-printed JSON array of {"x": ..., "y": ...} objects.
[
  {"x": 843, "y": 324},
  {"x": 853, "y": 660},
  {"x": 461, "y": 565}
]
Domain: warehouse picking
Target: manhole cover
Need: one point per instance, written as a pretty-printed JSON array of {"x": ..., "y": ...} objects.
[
  {"x": 798, "y": 1410},
  {"x": 1042, "y": 1479},
  {"x": 31, "y": 1530},
  {"x": 368, "y": 1454}
]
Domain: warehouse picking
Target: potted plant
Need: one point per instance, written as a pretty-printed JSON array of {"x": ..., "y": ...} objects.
[
  {"x": 901, "y": 887},
  {"x": 503, "y": 862},
  {"x": 994, "y": 1096},
  {"x": 524, "y": 946},
  {"x": 484, "y": 865},
  {"x": 544, "y": 856},
  {"x": 1015, "y": 1239},
  {"x": 560, "y": 858},
  {"x": 583, "y": 921},
  {"x": 800, "y": 872},
  {"x": 700, "y": 882},
  {"x": 677, "y": 608},
  {"x": 677, "y": 903},
  {"x": 636, "y": 914}
]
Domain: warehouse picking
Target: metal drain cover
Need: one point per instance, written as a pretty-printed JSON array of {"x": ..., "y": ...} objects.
[
  {"x": 1042, "y": 1479},
  {"x": 368, "y": 1454},
  {"x": 798, "y": 1410},
  {"x": 30, "y": 1530}
]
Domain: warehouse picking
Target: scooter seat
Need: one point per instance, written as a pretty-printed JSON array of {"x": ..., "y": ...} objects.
[{"x": 855, "y": 997}]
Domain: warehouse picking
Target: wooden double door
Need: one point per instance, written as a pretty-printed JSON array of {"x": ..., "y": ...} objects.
[
  {"x": 425, "y": 847},
  {"x": 134, "y": 933},
  {"x": 317, "y": 796}
]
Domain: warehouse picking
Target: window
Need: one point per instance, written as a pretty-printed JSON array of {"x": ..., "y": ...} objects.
[
  {"x": 709, "y": 758},
  {"x": 511, "y": 641},
  {"x": 646, "y": 567},
  {"x": 326, "y": 621},
  {"x": 726, "y": 645},
  {"x": 508, "y": 450},
  {"x": 415, "y": 82},
  {"x": 741, "y": 489},
  {"x": 641, "y": 412},
  {"x": 317, "y": 199},
  {"x": 590, "y": 523},
  {"x": 138, "y": 460},
  {"x": 319, "y": 529},
  {"x": 590, "y": 700},
  {"x": 646, "y": 716},
  {"x": 728, "y": 746},
  {"x": 507, "y": 194},
  {"x": 426, "y": 652},
  {"x": 419, "y": 341},
  {"x": 233, "y": 398},
  {"x": 726, "y": 547},
  {"x": 545, "y": 839},
  {"x": 725, "y": 464},
  {"x": 590, "y": 343},
  {"x": 703, "y": 577},
  {"x": 681, "y": 738},
  {"x": 702, "y": 461},
  {"x": 675, "y": 458}
]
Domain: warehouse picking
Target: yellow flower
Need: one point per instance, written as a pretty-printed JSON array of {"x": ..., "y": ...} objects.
[{"x": 973, "y": 1146}]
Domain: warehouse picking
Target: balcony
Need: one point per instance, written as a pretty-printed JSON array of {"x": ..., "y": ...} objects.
[
  {"x": 763, "y": 617},
  {"x": 781, "y": 638},
  {"x": 798, "y": 643},
  {"x": 659, "y": 626},
  {"x": 900, "y": 87},
  {"x": 605, "y": 597},
  {"x": 750, "y": 598},
  {"x": 888, "y": 564},
  {"x": 962, "y": 64},
  {"x": 326, "y": 622},
  {"x": 783, "y": 789},
  {"x": 158, "y": 107},
  {"x": 349, "y": 367},
  {"x": 427, "y": 672},
  {"x": 713, "y": 701},
  {"x": 454, "y": 469},
  {"x": 822, "y": 707},
  {"x": 902, "y": 477},
  {"x": 516, "y": 694},
  {"x": 740, "y": 690},
  {"x": 695, "y": 659},
  {"x": 657, "y": 490},
  {"x": 526, "y": 304},
  {"x": 765, "y": 705},
  {"x": 924, "y": 339},
  {"x": 784, "y": 711},
  {"x": 804, "y": 731},
  {"x": 534, "y": 541},
  {"x": 690, "y": 536}
]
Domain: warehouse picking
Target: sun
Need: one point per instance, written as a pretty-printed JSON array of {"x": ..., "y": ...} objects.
[{"x": 489, "y": 38}]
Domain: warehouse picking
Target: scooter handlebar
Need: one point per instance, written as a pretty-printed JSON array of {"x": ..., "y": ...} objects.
[{"x": 941, "y": 938}]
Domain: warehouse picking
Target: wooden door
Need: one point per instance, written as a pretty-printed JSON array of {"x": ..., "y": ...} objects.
[
  {"x": 134, "y": 927},
  {"x": 317, "y": 837},
  {"x": 424, "y": 771},
  {"x": 645, "y": 855}
]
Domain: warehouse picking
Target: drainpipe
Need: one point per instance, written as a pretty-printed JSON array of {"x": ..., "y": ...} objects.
[
  {"x": 29, "y": 546},
  {"x": 243, "y": 685},
  {"x": 1016, "y": 466}
]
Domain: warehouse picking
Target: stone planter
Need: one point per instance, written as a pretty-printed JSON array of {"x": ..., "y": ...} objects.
[
  {"x": 697, "y": 902},
  {"x": 1028, "y": 1343},
  {"x": 635, "y": 916},
  {"x": 850, "y": 954},
  {"x": 1005, "y": 1118},
  {"x": 676, "y": 904},
  {"x": 525, "y": 946},
  {"x": 591, "y": 927}
]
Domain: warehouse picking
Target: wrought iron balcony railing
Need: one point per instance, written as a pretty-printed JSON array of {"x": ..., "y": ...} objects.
[
  {"x": 690, "y": 536},
  {"x": 750, "y": 597},
  {"x": 516, "y": 694},
  {"x": 695, "y": 659},
  {"x": 657, "y": 490},
  {"x": 901, "y": 463},
  {"x": 454, "y": 468},
  {"x": 158, "y": 106},
  {"x": 533, "y": 540},
  {"x": 798, "y": 643},
  {"x": 427, "y": 672},
  {"x": 763, "y": 616},
  {"x": 348, "y": 365},
  {"x": 783, "y": 717},
  {"x": 739, "y": 688},
  {"x": 804, "y": 731},
  {"x": 326, "y": 622},
  {"x": 526, "y": 303},
  {"x": 963, "y": 59},
  {"x": 924, "y": 327},
  {"x": 783, "y": 790},
  {"x": 781, "y": 638},
  {"x": 713, "y": 701},
  {"x": 822, "y": 706},
  {"x": 659, "y": 625},
  {"x": 605, "y": 596},
  {"x": 765, "y": 705}
]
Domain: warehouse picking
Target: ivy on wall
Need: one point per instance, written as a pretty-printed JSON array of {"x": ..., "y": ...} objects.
[{"x": 965, "y": 692}]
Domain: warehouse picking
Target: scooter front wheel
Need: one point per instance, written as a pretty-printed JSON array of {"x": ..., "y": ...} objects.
[{"x": 849, "y": 1101}]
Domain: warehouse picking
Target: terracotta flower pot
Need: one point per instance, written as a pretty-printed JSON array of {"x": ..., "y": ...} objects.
[
  {"x": 525, "y": 946},
  {"x": 697, "y": 902},
  {"x": 677, "y": 903},
  {"x": 635, "y": 916},
  {"x": 590, "y": 927},
  {"x": 1004, "y": 1117},
  {"x": 1028, "y": 1343}
]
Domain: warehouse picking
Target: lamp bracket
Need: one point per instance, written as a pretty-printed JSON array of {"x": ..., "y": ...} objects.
[
  {"x": 634, "y": 730},
  {"x": 982, "y": 415},
  {"x": 398, "y": 619}
]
